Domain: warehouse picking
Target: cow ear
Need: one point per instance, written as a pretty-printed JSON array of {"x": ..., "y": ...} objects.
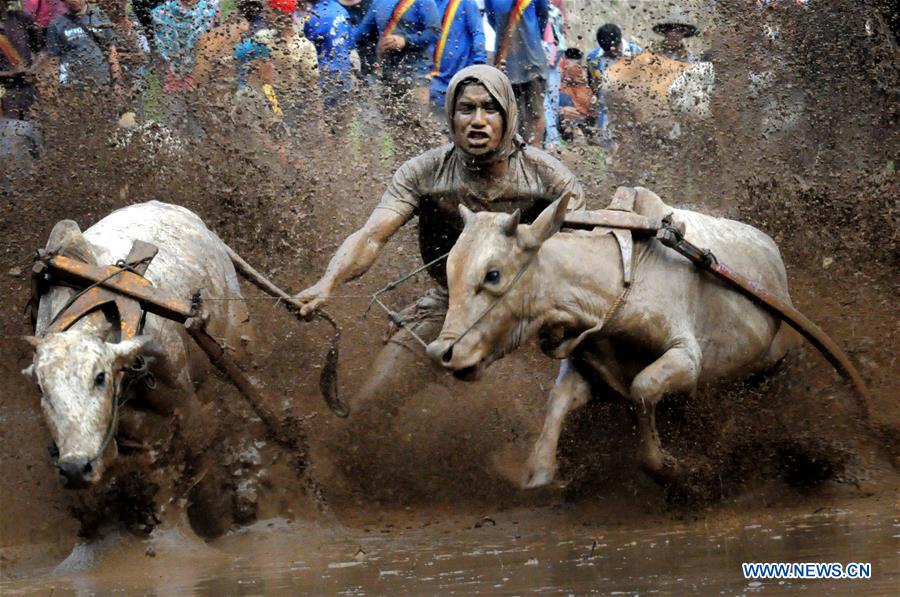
[
  {"x": 512, "y": 223},
  {"x": 546, "y": 225},
  {"x": 33, "y": 341},
  {"x": 127, "y": 350}
]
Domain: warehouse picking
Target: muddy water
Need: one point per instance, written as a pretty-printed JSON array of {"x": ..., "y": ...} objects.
[{"x": 547, "y": 550}]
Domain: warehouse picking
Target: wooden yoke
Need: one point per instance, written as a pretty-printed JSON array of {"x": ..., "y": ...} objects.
[
  {"x": 113, "y": 284},
  {"x": 126, "y": 291},
  {"x": 620, "y": 220}
]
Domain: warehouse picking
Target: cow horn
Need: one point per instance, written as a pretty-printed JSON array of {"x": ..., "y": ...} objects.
[
  {"x": 29, "y": 371},
  {"x": 465, "y": 213},
  {"x": 512, "y": 223}
]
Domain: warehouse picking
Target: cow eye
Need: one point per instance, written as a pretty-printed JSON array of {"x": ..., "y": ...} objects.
[
  {"x": 492, "y": 277},
  {"x": 100, "y": 379}
]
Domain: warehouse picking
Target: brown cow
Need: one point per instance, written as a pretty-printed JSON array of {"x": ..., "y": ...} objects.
[{"x": 676, "y": 329}]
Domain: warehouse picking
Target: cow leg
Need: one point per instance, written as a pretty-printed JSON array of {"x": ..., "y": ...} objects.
[
  {"x": 571, "y": 391},
  {"x": 785, "y": 340},
  {"x": 676, "y": 371}
]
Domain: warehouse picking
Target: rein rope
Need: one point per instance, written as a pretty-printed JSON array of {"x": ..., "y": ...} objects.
[{"x": 398, "y": 321}]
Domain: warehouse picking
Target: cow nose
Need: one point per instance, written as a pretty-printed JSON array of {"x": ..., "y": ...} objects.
[
  {"x": 75, "y": 472},
  {"x": 441, "y": 352}
]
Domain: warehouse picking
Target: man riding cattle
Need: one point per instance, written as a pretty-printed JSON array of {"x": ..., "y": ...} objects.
[{"x": 487, "y": 167}]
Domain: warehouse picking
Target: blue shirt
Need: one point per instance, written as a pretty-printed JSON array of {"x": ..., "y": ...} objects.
[
  {"x": 178, "y": 29},
  {"x": 464, "y": 47},
  {"x": 597, "y": 65},
  {"x": 420, "y": 26},
  {"x": 525, "y": 58},
  {"x": 328, "y": 27}
]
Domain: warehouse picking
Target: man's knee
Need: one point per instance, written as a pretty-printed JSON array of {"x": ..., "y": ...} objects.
[{"x": 402, "y": 367}]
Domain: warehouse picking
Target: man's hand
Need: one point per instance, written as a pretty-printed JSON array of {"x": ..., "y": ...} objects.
[
  {"x": 392, "y": 43},
  {"x": 313, "y": 297}
]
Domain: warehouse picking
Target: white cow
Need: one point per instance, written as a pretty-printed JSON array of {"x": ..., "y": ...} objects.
[
  {"x": 676, "y": 328},
  {"x": 79, "y": 372}
]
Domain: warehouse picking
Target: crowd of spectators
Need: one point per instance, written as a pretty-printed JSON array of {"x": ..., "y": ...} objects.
[{"x": 283, "y": 60}]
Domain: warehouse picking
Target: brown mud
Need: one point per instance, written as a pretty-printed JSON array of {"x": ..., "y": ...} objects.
[{"x": 408, "y": 481}]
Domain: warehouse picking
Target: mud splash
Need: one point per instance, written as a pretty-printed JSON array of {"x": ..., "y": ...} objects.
[{"x": 823, "y": 188}]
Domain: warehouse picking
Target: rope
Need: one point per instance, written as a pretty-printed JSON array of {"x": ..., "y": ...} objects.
[
  {"x": 393, "y": 315},
  {"x": 277, "y": 298}
]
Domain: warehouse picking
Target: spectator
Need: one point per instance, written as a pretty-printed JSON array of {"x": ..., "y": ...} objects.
[
  {"x": 555, "y": 47},
  {"x": 490, "y": 37},
  {"x": 461, "y": 44},
  {"x": 520, "y": 27},
  {"x": 276, "y": 62},
  {"x": 44, "y": 11},
  {"x": 143, "y": 12},
  {"x": 611, "y": 47},
  {"x": 215, "y": 73},
  {"x": 84, "y": 43},
  {"x": 356, "y": 12},
  {"x": 178, "y": 25},
  {"x": 576, "y": 98},
  {"x": 674, "y": 29},
  {"x": 404, "y": 30},
  {"x": 328, "y": 27},
  {"x": 133, "y": 51},
  {"x": 19, "y": 40}
]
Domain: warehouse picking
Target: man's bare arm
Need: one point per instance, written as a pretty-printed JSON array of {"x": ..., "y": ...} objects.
[{"x": 354, "y": 257}]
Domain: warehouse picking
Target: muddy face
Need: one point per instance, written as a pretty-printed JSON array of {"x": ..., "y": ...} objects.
[
  {"x": 483, "y": 322},
  {"x": 79, "y": 376},
  {"x": 477, "y": 121}
]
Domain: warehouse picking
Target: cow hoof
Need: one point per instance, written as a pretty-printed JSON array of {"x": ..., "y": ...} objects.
[
  {"x": 538, "y": 478},
  {"x": 662, "y": 466}
]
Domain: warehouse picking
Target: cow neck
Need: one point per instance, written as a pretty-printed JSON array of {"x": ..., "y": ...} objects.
[{"x": 601, "y": 294}]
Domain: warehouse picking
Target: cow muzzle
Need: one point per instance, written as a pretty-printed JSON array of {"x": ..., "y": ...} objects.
[
  {"x": 448, "y": 354},
  {"x": 76, "y": 473}
]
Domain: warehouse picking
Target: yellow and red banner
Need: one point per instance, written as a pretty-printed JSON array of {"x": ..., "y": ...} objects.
[
  {"x": 515, "y": 16},
  {"x": 446, "y": 23},
  {"x": 399, "y": 10}
]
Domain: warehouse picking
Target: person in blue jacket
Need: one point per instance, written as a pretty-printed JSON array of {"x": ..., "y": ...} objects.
[
  {"x": 523, "y": 59},
  {"x": 463, "y": 47},
  {"x": 328, "y": 27},
  {"x": 357, "y": 11},
  {"x": 403, "y": 52}
]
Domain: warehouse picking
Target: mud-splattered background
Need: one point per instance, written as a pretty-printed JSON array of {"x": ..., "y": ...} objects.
[{"x": 803, "y": 143}]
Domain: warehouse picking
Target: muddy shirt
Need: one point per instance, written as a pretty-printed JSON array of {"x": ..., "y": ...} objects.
[
  {"x": 80, "y": 42},
  {"x": 434, "y": 184}
]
